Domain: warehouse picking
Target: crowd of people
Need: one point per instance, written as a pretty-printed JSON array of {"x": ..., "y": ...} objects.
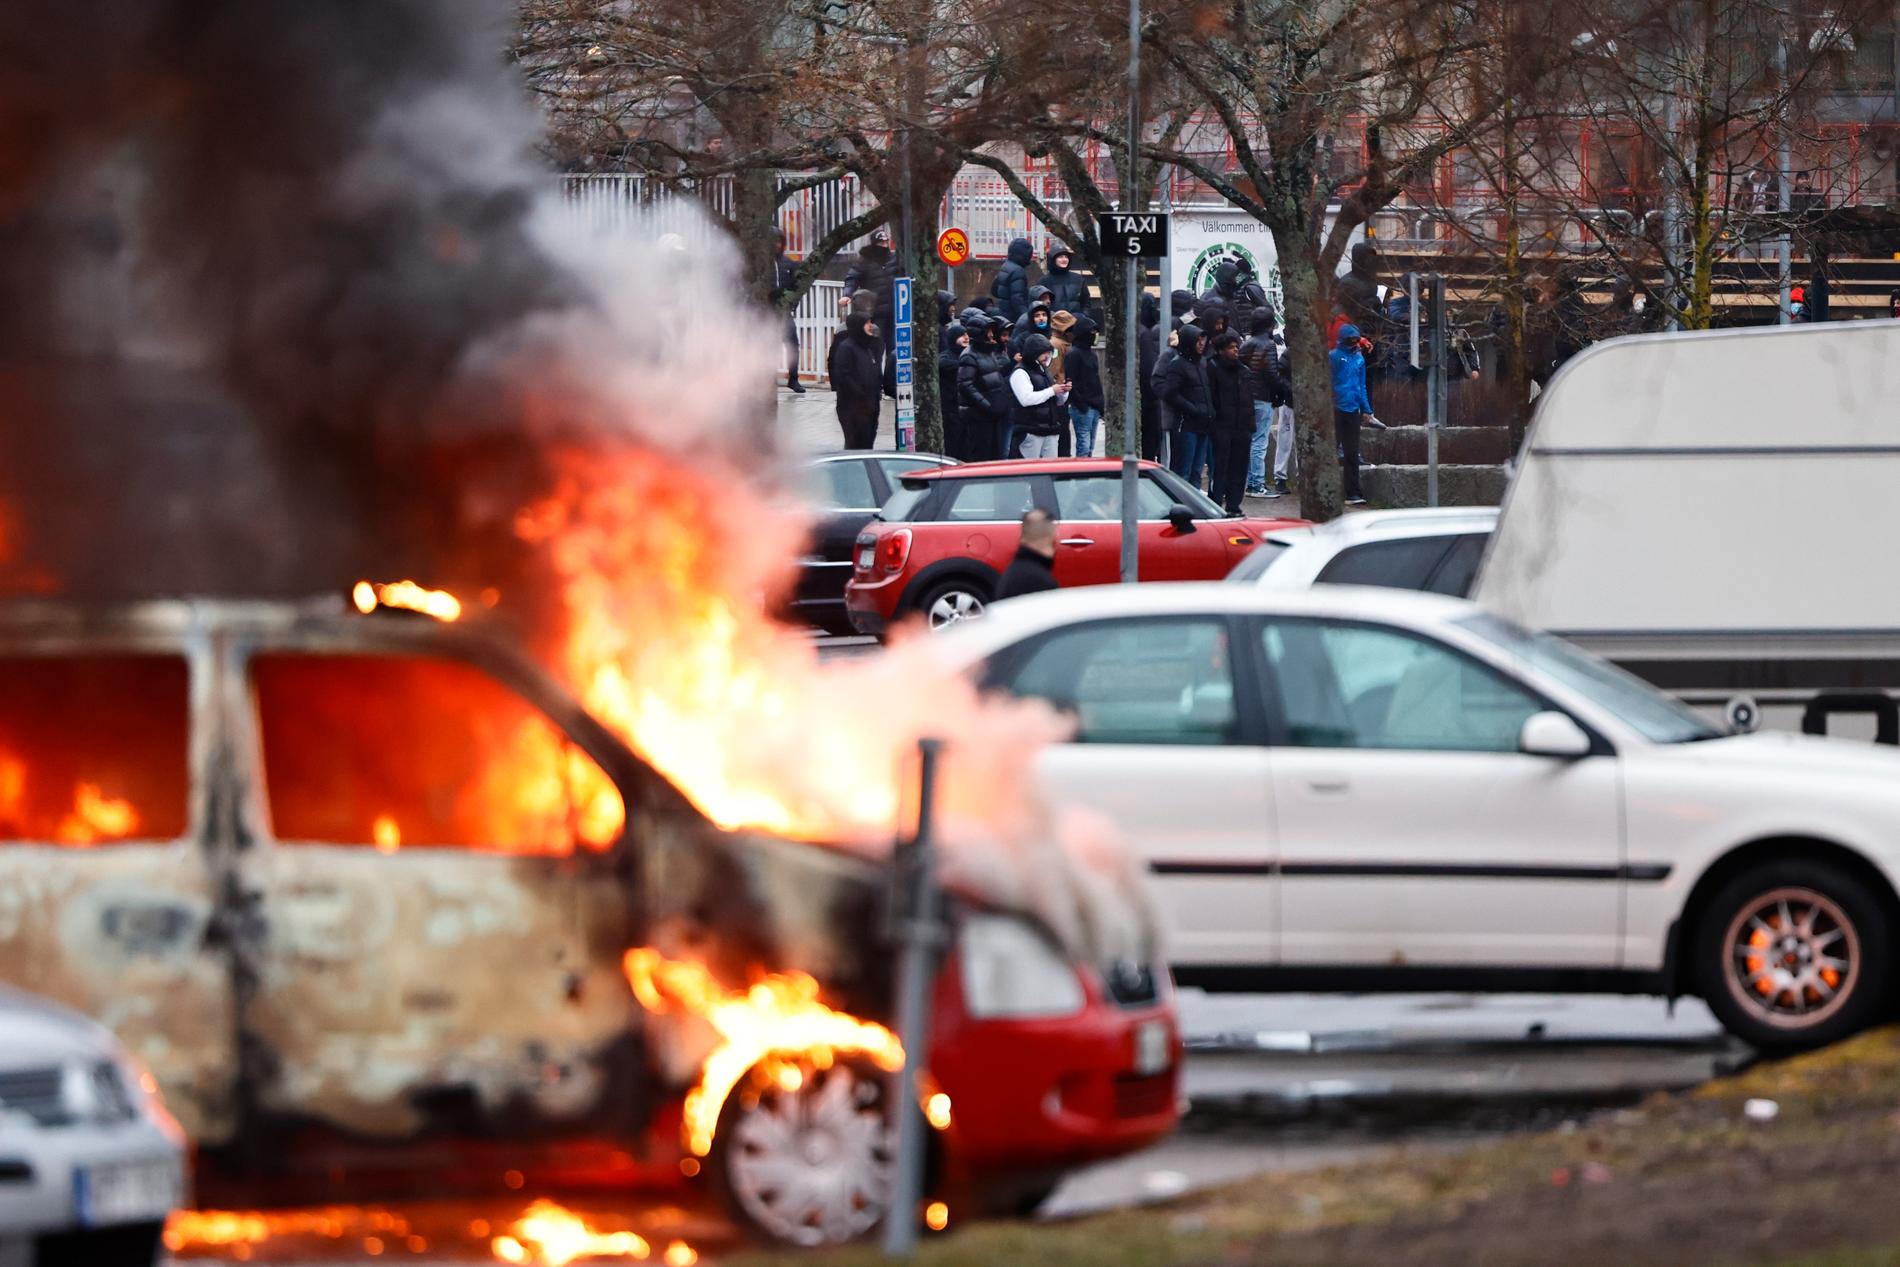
[{"x": 1019, "y": 375}]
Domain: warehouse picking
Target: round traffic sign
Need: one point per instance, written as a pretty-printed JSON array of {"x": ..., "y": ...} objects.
[{"x": 953, "y": 247}]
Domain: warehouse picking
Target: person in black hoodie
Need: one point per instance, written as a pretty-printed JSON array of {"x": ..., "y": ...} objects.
[
  {"x": 982, "y": 387},
  {"x": 1235, "y": 287},
  {"x": 1181, "y": 310},
  {"x": 955, "y": 340},
  {"x": 1036, "y": 321},
  {"x": 857, "y": 376},
  {"x": 783, "y": 270},
  {"x": 1148, "y": 350},
  {"x": 1011, "y": 285},
  {"x": 1261, "y": 355},
  {"x": 1184, "y": 388},
  {"x": 1083, "y": 369},
  {"x": 1067, "y": 291},
  {"x": 1231, "y": 395},
  {"x": 875, "y": 270}
]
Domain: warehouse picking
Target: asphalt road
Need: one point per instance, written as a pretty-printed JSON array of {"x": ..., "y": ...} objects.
[{"x": 1274, "y": 1083}]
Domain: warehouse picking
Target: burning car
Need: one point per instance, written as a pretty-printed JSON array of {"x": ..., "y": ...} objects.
[{"x": 344, "y": 880}]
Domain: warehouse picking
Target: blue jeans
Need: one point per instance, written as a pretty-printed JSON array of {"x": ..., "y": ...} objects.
[
  {"x": 1085, "y": 421},
  {"x": 1257, "y": 450},
  {"x": 1192, "y": 452}
]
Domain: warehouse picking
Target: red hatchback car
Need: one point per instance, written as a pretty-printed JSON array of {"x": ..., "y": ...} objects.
[{"x": 941, "y": 543}]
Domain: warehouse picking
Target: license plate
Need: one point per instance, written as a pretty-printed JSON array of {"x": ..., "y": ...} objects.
[
  {"x": 127, "y": 1192},
  {"x": 1154, "y": 1048},
  {"x": 866, "y": 555}
]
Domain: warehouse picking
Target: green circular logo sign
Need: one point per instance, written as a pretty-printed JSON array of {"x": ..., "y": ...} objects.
[{"x": 1200, "y": 274}]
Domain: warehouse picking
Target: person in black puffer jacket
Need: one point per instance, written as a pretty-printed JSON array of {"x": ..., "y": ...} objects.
[
  {"x": 875, "y": 270},
  {"x": 1148, "y": 349},
  {"x": 1184, "y": 388},
  {"x": 857, "y": 376},
  {"x": 1011, "y": 285},
  {"x": 955, "y": 340},
  {"x": 982, "y": 390},
  {"x": 1083, "y": 369},
  {"x": 1231, "y": 395},
  {"x": 1068, "y": 292}
]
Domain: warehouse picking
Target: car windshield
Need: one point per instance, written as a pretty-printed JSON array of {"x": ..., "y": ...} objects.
[
  {"x": 904, "y": 502},
  {"x": 1203, "y": 506},
  {"x": 1262, "y": 557},
  {"x": 1655, "y": 716}
]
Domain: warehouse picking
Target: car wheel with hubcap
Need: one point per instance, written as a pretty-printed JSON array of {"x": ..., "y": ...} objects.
[
  {"x": 804, "y": 1156},
  {"x": 952, "y": 603},
  {"x": 1793, "y": 955}
]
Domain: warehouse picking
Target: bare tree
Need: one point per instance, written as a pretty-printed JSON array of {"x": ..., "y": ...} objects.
[{"x": 1282, "y": 78}]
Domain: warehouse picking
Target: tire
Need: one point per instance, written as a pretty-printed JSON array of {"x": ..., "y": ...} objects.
[
  {"x": 952, "y": 602},
  {"x": 1793, "y": 955},
  {"x": 135, "y": 1245},
  {"x": 808, "y": 1167}
]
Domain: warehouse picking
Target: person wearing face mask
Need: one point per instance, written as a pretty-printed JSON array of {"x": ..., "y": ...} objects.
[
  {"x": 857, "y": 377},
  {"x": 1230, "y": 433},
  {"x": 1184, "y": 388},
  {"x": 1040, "y": 401}
]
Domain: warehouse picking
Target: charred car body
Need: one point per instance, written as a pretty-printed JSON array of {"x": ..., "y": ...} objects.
[{"x": 373, "y": 879}]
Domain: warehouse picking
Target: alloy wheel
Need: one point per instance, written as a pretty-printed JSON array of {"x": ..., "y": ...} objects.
[
  {"x": 1794, "y": 957},
  {"x": 953, "y": 606}
]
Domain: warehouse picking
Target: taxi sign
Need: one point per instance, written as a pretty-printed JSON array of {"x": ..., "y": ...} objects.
[{"x": 953, "y": 247}]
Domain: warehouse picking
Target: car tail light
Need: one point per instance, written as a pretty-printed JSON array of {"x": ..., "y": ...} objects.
[{"x": 893, "y": 550}]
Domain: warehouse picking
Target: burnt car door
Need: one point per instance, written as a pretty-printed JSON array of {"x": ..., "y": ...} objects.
[
  {"x": 108, "y": 897},
  {"x": 434, "y": 871}
]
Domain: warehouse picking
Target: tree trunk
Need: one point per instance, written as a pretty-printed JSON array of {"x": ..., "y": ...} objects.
[
  {"x": 754, "y": 217},
  {"x": 1307, "y": 313},
  {"x": 1119, "y": 433}
]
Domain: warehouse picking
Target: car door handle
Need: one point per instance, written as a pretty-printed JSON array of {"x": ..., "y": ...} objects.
[
  {"x": 1329, "y": 784},
  {"x": 1076, "y": 541}
]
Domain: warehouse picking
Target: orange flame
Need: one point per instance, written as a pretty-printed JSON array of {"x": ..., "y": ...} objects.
[
  {"x": 548, "y": 1234},
  {"x": 407, "y": 596},
  {"x": 780, "y": 1015},
  {"x": 94, "y": 816}
]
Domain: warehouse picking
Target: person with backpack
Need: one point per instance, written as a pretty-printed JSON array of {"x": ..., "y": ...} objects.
[
  {"x": 1039, "y": 400},
  {"x": 1011, "y": 284}
]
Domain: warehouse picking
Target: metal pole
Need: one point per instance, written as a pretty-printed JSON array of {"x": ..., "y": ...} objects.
[
  {"x": 1784, "y": 164},
  {"x": 1435, "y": 387},
  {"x": 1166, "y": 284},
  {"x": 1131, "y": 409},
  {"x": 918, "y": 934}
]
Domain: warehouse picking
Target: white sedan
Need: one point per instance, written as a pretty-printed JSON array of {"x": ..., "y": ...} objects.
[
  {"x": 1367, "y": 789},
  {"x": 91, "y": 1163}
]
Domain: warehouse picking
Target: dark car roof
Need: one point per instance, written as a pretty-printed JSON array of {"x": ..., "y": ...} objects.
[{"x": 1028, "y": 466}]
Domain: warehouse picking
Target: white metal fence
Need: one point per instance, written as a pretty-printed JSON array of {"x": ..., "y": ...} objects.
[{"x": 816, "y": 321}]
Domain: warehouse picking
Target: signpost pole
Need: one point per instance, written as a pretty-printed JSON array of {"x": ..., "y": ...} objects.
[
  {"x": 1131, "y": 406},
  {"x": 901, "y": 348}
]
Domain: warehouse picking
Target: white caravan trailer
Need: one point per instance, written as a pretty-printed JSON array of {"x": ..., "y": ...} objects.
[{"x": 1720, "y": 513}]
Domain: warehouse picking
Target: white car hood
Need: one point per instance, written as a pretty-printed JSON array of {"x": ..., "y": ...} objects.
[
  {"x": 35, "y": 1033},
  {"x": 1804, "y": 754}
]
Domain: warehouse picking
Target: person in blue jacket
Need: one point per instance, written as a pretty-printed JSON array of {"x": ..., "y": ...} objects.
[{"x": 1351, "y": 406}]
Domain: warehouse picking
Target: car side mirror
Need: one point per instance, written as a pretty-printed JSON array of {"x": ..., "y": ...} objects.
[
  {"x": 1181, "y": 519},
  {"x": 1553, "y": 734}
]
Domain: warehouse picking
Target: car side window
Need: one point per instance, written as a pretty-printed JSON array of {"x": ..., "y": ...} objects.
[
  {"x": 990, "y": 500},
  {"x": 94, "y": 749},
  {"x": 1460, "y": 568},
  {"x": 1098, "y": 499},
  {"x": 844, "y": 485},
  {"x": 1163, "y": 681},
  {"x": 1368, "y": 686},
  {"x": 1406, "y": 564},
  {"x": 398, "y": 752},
  {"x": 895, "y": 467}
]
